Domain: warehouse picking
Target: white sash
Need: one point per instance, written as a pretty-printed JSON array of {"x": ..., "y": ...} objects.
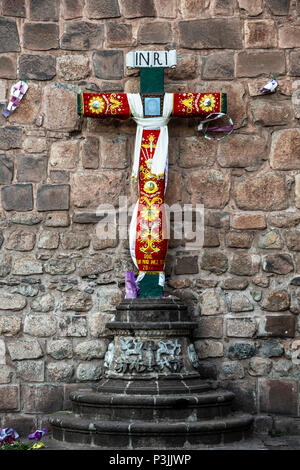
[{"x": 159, "y": 160}]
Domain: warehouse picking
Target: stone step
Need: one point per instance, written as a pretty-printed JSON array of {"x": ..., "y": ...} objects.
[
  {"x": 146, "y": 435},
  {"x": 152, "y": 407}
]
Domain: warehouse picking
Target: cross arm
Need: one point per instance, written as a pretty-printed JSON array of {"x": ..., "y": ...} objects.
[
  {"x": 101, "y": 105},
  {"x": 199, "y": 104}
]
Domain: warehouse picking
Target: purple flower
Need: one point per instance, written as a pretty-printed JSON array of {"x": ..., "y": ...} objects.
[
  {"x": 38, "y": 434},
  {"x": 8, "y": 435}
]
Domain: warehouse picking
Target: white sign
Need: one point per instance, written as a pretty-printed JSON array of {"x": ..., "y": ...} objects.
[{"x": 151, "y": 59}]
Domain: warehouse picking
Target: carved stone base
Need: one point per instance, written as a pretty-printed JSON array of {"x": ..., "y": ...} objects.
[{"x": 152, "y": 394}]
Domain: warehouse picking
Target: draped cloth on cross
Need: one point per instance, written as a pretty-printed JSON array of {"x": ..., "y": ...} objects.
[{"x": 148, "y": 229}]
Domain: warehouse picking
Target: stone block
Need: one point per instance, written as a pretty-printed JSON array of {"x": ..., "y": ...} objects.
[
  {"x": 279, "y": 7},
  {"x": 159, "y": 32},
  {"x": 280, "y": 326},
  {"x": 88, "y": 372},
  {"x": 212, "y": 302},
  {"x": 250, "y": 7},
  {"x": 60, "y": 372},
  {"x": 211, "y": 33},
  {"x": 40, "y": 325},
  {"x": 108, "y": 64},
  {"x": 37, "y": 67},
  {"x": 240, "y": 303},
  {"x": 231, "y": 371},
  {"x": 59, "y": 176},
  {"x": 285, "y": 220},
  {"x": 8, "y": 67},
  {"x": 253, "y": 64},
  {"x": 209, "y": 348},
  {"x": 279, "y": 264},
  {"x": 12, "y": 302},
  {"x": 42, "y": 398},
  {"x": 31, "y": 168},
  {"x": 104, "y": 9},
  {"x": 59, "y": 266},
  {"x": 260, "y": 34},
  {"x": 271, "y": 114},
  {"x": 25, "y": 266},
  {"x": 119, "y": 34},
  {"x": 187, "y": 265},
  {"x": 90, "y": 153},
  {"x": 97, "y": 324},
  {"x": 259, "y": 367},
  {"x": 64, "y": 154},
  {"x": 209, "y": 187},
  {"x": 271, "y": 393},
  {"x": 72, "y": 9},
  {"x": 76, "y": 301},
  {"x": 241, "y": 327},
  {"x": 241, "y": 351},
  {"x": 20, "y": 240},
  {"x": 99, "y": 263},
  {"x": 94, "y": 189},
  {"x": 24, "y": 349},
  {"x": 6, "y": 374},
  {"x": 239, "y": 239},
  {"x": 285, "y": 153},
  {"x": 10, "y": 137},
  {"x": 73, "y": 67},
  {"x": 9, "y": 36},
  {"x": 82, "y": 35},
  {"x": 294, "y": 63},
  {"x": 270, "y": 240},
  {"x": 248, "y": 221},
  {"x": 289, "y": 35},
  {"x": 234, "y": 283},
  {"x": 53, "y": 197},
  {"x": 214, "y": 261},
  {"x": 44, "y": 10},
  {"x": 72, "y": 326},
  {"x": 209, "y": 327},
  {"x": 75, "y": 240},
  {"x": 40, "y": 36},
  {"x": 34, "y": 144},
  {"x": 10, "y": 325},
  {"x": 108, "y": 298},
  {"x": 57, "y": 219},
  {"x": 30, "y": 371},
  {"x": 14, "y": 8},
  {"x": 114, "y": 152},
  {"x": 66, "y": 98},
  {"x": 92, "y": 349},
  {"x": 257, "y": 192},
  {"x": 195, "y": 152},
  {"x": 17, "y": 197},
  {"x": 48, "y": 240},
  {"x": 60, "y": 349},
  {"x": 242, "y": 151},
  {"x": 244, "y": 264},
  {"x": 137, "y": 8},
  {"x": 9, "y": 398},
  {"x": 218, "y": 65},
  {"x": 44, "y": 304},
  {"x": 6, "y": 169}
]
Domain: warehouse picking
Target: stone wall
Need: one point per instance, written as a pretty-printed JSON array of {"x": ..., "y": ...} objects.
[{"x": 59, "y": 283}]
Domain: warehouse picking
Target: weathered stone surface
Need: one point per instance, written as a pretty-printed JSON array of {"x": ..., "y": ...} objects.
[
  {"x": 31, "y": 168},
  {"x": 187, "y": 265},
  {"x": 108, "y": 64},
  {"x": 82, "y": 35},
  {"x": 114, "y": 152},
  {"x": 64, "y": 154},
  {"x": 297, "y": 191},
  {"x": 218, "y": 65},
  {"x": 48, "y": 240},
  {"x": 90, "y": 153},
  {"x": 57, "y": 219},
  {"x": 259, "y": 367},
  {"x": 93, "y": 349},
  {"x": 248, "y": 221},
  {"x": 37, "y": 67},
  {"x": 209, "y": 348},
  {"x": 271, "y": 114},
  {"x": 289, "y": 35},
  {"x": 60, "y": 349},
  {"x": 12, "y": 302},
  {"x": 285, "y": 154},
  {"x": 104, "y": 9},
  {"x": 8, "y": 67},
  {"x": 73, "y": 67},
  {"x": 10, "y": 325},
  {"x": 44, "y": 10},
  {"x": 26, "y": 266},
  {"x": 6, "y": 374},
  {"x": 53, "y": 197},
  {"x": 260, "y": 34},
  {"x": 24, "y": 349},
  {"x": 231, "y": 371},
  {"x": 280, "y": 326},
  {"x": 234, "y": 283},
  {"x": 209, "y": 187},
  {"x": 6, "y": 169},
  {"x": 72, "y": 9},
  {"x": 9, "y": 37},
  {"x": 45, "y": 303},
  {"x": 9, "y": 398},
  {"x": 239, "y": 239},
  {"x": 241, "y": 351},
  {"x": 159, "y": 33},
  {"x": 17, "y": 197},
  {"x": 213, "y": 33},
  {"x": 276, "y": 301},
  {"x": 244, "y": 264},
  {"x": 92, "y": 190},
  {"x": 271, "y": 240},
  {"x": 240, "y": 303},
  {"x": 97, "y": 324},
  {"x": 67, "y": 118},
  {"x": 241, "y": 150},
  {"x": 108, "y": 298},
  {"x": 72, "y": 326},
  {"x": 253, "y": 64},
  {"x": 209, "y": 327},
  {"x": 212, "y": 302},
  {"x": 241, "y": 327},
  {"x": 257, "y": 192},
  {"x": 30, "y": 371},
  {"x": 76, "y": 301},
  {"x": 278, "y": 264},
  {"x": 214, "y": 261},
  {"x": 279, "y": 7},
  {"x": 137, "y": 8},
  {"x": 271, "y": 393},
  {"x": 40, "y": 36},
  {"x": 40, "y": 325},
  {"x": 10, "y": 137},
  {"x": 59, "y": 266},
  {"x": 43, "y": 398},
  {"x": 21, "y": 240},
  {"x": 34, "y": 144},
  {"x": 119, "y": 34},
  {"x": 88, "y": 372},
  {"x": 195, "y": 152},
  {"x": 60, "y": 372},
  {"x": 14, "y": 8},
  {"x": 75, "y": 240}
]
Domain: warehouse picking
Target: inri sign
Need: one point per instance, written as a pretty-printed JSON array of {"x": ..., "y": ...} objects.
[{"x": 151, "y": 59}]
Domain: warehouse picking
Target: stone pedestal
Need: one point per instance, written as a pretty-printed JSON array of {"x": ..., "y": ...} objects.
[{"x": 151, "y": 395}]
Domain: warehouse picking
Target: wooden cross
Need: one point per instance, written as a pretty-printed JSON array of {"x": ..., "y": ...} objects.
[{"x": 151, "y": 109}]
